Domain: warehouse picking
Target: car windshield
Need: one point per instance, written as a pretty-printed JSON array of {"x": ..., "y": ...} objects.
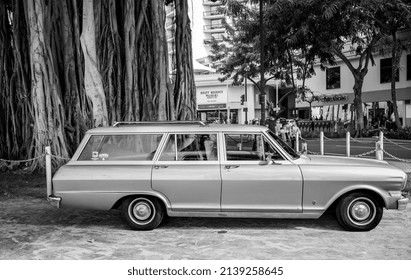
[{"x": 284, "y": 145}]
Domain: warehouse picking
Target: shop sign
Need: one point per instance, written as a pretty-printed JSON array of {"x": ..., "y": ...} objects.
[
  {"x": 333, "y": 98},
  {"x": 212, "y": 106},
  {"x": 209, "y": 96}
]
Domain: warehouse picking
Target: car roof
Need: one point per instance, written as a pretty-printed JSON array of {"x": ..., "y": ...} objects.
[{"x": 175, "y": 127}]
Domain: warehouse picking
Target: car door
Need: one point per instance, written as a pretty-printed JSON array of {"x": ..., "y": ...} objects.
[
  {"x": 250, "y": 183},
  {"x": 187, "y": 172}
]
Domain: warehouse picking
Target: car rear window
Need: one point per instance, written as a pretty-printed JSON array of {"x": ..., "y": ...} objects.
[{"x": 130, "y": 147}]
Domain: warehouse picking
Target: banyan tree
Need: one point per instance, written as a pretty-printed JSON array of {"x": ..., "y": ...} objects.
[{"x": 70, "y": 65}]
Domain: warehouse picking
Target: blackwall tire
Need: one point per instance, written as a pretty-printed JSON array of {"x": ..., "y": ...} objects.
[
  {"x": 359, "y": 212},
  {"x": 142, "y": 213}
]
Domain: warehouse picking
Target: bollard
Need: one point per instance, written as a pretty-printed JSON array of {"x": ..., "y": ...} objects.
[
  {"x": 382, "y": 144},
  {"x": 297, "y": 142},
  {"x": 48, "y": 170},
  {"x": 347, "y": 144},
  {"x": 322, "y": 142},
  {"x": 378, "y": 151}
]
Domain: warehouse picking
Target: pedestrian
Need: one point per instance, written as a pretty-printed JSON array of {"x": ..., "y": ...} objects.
[
  {"x": 277, "y": 127},
  {"x": 294, "y": 133},
  {"x": 271, "y": 124},
  {"x": 312, "y": 125},
  {"x": 284, "y": 133}
]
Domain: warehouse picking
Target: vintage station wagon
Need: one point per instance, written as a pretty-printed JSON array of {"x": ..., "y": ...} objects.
[{"x": 188, "y": 169}]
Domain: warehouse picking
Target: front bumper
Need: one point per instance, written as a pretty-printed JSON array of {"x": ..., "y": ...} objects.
[
  {"x": 402, "y": 203},
  {"x": 54, "y": 201}
]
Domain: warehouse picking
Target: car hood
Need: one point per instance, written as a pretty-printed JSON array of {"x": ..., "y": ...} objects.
[{"x": 335, "y": 160}]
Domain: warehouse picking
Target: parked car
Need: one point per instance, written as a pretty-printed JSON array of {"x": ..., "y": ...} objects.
[{"x": 189, "y": 169}]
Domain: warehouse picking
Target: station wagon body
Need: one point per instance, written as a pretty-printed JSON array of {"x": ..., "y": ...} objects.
[{"x": 150, "y": 170}]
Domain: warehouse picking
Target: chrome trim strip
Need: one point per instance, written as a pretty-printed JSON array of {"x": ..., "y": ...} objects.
[
  {"x": 266, "y": 215},
  {"x": 395, "y": 193}
]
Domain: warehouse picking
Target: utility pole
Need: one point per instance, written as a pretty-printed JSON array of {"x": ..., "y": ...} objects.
[
  {"x": 245, "y": 109},
  {"x": 262, "y": 68}
]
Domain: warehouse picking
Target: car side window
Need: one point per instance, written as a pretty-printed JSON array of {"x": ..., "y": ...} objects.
[
  {"x": 190, "y": 147},
  {"x": 134, "y": 147},
  {"x": 252, "y": 147}
]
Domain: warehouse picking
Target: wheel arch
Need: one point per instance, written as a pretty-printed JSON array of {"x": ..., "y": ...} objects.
[
  {"x": 161, "y": 199},
  {"x": 376, "y": 193}
]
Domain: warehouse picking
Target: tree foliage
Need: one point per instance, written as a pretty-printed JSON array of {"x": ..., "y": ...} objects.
[{"x": 290, "y": 53}]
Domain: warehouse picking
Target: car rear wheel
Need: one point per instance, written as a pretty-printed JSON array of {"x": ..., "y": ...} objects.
[
  {"x": 359, "y": 212},
  {"x": 142, "y": 213}
]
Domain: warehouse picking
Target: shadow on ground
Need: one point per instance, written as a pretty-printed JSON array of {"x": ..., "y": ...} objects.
[{"x": 40, "y": 213}]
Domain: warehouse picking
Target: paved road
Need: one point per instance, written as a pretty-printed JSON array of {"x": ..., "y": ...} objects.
[
  {"x": 398, "y": 148},
  {"x": 32, "y": 229}
]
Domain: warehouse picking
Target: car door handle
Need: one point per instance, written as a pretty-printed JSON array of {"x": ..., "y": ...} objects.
[
  {"x": 160, "y": 166},
  {"x": 231, "y": 166}
]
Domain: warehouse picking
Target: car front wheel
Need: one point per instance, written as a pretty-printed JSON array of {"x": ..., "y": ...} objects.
[
  {"x": 142, "y": 213},
  {"x": 359, "y": 212}
]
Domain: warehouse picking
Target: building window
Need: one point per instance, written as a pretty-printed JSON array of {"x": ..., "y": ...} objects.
[
  {"x": 385, "y": 74},
  {"x": 408, "y": 67},
  {"x": 333, "y": 77}
]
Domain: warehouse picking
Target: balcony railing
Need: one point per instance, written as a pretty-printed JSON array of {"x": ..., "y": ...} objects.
[
  {"x": 213, "y": 26},
  {"x": 218, "y": 36},
  {"x": 209, "y": 2},
  {"x": 212, "y": 13}
]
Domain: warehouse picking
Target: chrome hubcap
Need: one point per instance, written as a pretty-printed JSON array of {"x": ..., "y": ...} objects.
[
  {"x": 142, "y": 211},
  {"x": 361, "y": 211}
]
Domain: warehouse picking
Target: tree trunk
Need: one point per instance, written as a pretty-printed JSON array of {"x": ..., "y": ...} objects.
[
  {"x": 184, "y": 89},
  {"x": 396, "y": 52},
  {"x": 161, "y": 62},
  {"x": 359, "y": 112},
  {"x": 45, "y": 95},
  {"x": 72, "y": 80},
  {"x": 92, "y": 78},
  {"x": 15, "y": 105},
  {"x": 129, "y": 49},
  {"x": 48, "y": 99}
]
